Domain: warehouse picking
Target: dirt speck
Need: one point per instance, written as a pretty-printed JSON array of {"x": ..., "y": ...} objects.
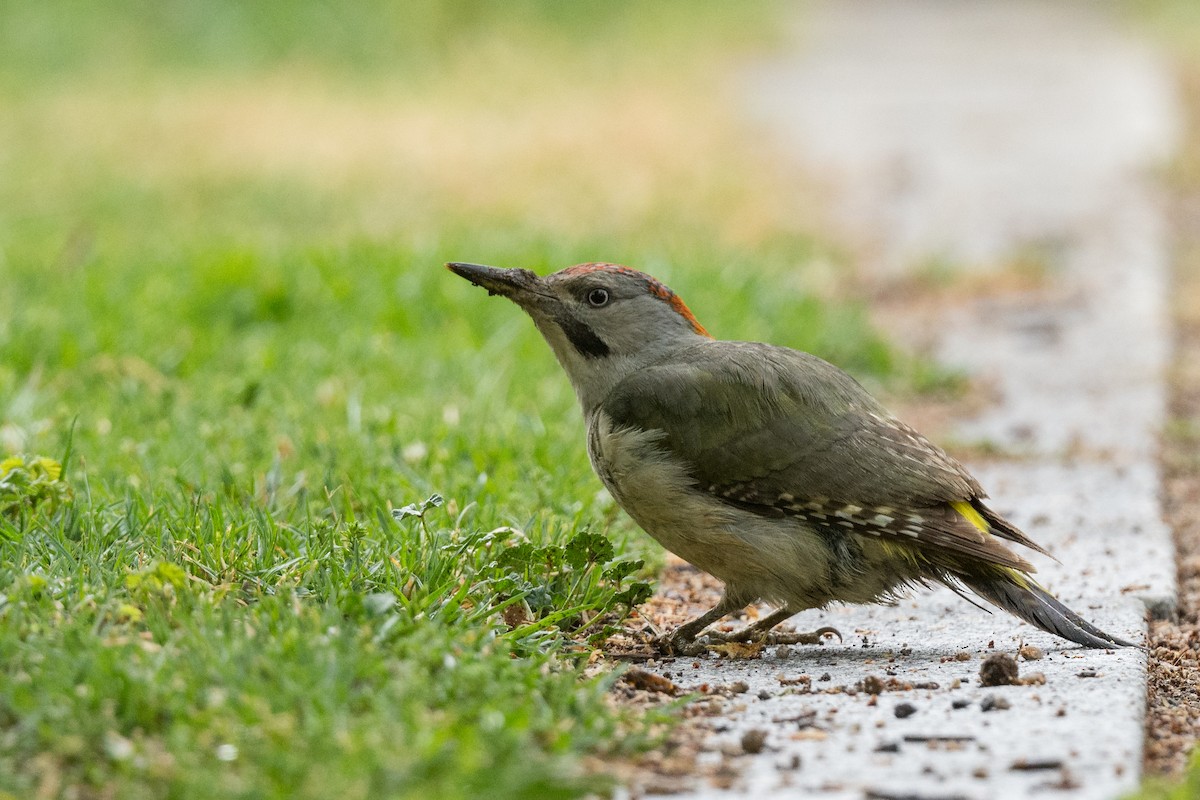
[
  {"x": 516, "y": 615},
  {"x": 649, "y": 682},
  {"x": 754, "y": 740},
  {"x": 995, "y": 703},
  {"x": 998, "y": 669},
  {"x": 1028, "y": 652},
  {"x": 800, "y": 680},
  {"x": 1035, "y": 764}
]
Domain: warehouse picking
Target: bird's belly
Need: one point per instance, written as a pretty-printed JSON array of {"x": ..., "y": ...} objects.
[
  {"x": 658, "y": 494},
  {"x": 773, "y": 558}
]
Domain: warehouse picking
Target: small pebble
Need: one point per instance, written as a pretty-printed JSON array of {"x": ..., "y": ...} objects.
[
  {"x": 1030, "y": 653},
  {"x": 960, "y": 704},
  {"x": 783, "y": 651},
  {"x": 994, "y": 703},
  {"x": 998, "y": 669},
  {"x": 1033, "y": 679},
  {"x": 649, "y": 682},
  {"x": 753, "y": 740},
  {"x": 904, "y": 710}
]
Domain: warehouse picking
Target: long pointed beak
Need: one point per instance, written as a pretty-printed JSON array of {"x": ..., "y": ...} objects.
[{"x": 519, "y": 285}]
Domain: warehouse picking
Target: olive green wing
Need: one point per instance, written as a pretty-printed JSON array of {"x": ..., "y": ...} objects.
[{"x": 781, "y": 432}]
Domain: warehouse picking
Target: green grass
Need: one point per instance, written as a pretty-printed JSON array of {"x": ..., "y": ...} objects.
[
  {"x": 223, "y": 310},
  {"x": 1184, "y": 787}
]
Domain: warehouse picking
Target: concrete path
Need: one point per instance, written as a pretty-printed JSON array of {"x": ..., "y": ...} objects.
[{"x": 968, "y": 131}]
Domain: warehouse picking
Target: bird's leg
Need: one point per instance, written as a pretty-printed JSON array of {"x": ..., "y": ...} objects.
[
  {"x": 755, "y": 630},
  {"x": 762, "y": 630},
  {"x": 682, "y": 641}
]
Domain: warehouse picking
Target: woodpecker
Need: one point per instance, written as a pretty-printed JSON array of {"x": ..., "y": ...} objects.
[{"x": 767, "y": 467}]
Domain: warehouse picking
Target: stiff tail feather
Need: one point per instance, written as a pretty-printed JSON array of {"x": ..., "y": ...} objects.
[{"x": 1021, "y": 596}]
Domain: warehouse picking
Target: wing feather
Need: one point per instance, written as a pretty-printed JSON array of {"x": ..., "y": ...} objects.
[{"x": 784, "y": 432}]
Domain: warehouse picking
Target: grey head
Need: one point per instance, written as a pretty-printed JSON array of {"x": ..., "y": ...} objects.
[{"x": 603, "y": 321}]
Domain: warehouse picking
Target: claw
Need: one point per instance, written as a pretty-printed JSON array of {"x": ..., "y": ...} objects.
[
  {"x": 677, "y": 646},
  {"x": 777, "y": 637},
  {"x": 747, "y": 634},
  {"x": 671, "y": 645}
]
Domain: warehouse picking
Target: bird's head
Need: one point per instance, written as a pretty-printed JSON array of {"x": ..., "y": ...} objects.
[{"x": 601, "y": 320}]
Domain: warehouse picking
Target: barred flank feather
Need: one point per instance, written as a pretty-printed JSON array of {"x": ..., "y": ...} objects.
[{"x": 1021, "y": 596}]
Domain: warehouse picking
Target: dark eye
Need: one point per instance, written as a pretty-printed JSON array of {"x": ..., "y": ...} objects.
[{"x": 598, "y": 297}]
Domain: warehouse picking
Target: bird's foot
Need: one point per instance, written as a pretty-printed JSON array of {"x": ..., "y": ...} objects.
[
  {"x": 804, "y": 637},
  {"x": 674, "y": 645},
  {"x": 752, "y": 633}
]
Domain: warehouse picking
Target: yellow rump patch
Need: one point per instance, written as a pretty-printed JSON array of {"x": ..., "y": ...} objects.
[
  {"x": 1021, "y": 579},
  {"x": 972, "y": 516}
]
